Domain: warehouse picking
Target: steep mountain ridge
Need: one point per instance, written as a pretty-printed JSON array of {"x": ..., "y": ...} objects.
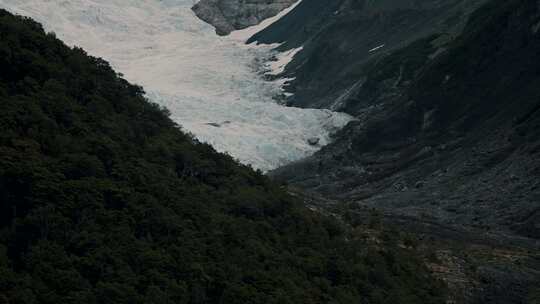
[{"x": 340, "y": 37}]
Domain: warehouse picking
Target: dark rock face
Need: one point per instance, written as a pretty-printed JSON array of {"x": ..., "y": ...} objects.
[
  {"x": 454, "y": 137},
  {"x": 340, "y": 37},
  {"x": 314, "y": 141},
  {"x": 229, "y": 15}
]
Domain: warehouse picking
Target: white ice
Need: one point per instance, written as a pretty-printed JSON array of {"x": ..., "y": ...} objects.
[
  {"x": 277, "y": 66},
  {"x": 376, "y": 48},
  {"x": 211, "y": 85}
]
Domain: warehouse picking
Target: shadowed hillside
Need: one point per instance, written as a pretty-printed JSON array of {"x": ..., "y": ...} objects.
[
  {"x": 446, "y": 143},
  {"x": 457, "y": 117}
]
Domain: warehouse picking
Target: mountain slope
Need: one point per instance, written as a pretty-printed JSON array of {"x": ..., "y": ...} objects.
[
  {"x": 458, "y": 141},
  {"x": 103, "y": 199}
]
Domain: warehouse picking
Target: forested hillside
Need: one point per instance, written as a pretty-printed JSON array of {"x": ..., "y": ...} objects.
[{"x": 103, "y": 199}]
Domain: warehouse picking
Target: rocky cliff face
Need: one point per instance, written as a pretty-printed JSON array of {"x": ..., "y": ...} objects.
[{"x": 229, "y": 15}]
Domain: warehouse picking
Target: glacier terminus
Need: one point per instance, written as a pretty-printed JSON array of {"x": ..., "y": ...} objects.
[{"x": 213, "y": 86}]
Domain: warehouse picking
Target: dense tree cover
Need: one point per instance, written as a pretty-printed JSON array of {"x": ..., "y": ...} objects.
[{"x": 103, "y": 199}]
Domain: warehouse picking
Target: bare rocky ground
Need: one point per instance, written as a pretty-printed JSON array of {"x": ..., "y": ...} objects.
[
  {"x": 229, "y": 15},
  {"x": 477, "y": 266}
]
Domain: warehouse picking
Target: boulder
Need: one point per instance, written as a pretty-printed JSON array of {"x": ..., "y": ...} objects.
[{"x": 314, "y": 141}]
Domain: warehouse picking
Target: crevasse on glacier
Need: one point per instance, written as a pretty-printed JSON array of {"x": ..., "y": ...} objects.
[{"x": 210, "y": 84}]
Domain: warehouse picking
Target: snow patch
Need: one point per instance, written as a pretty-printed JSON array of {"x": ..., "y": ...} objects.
[
  {"x": 376, "y": 48},
  {"x": 282, "y": 60}
]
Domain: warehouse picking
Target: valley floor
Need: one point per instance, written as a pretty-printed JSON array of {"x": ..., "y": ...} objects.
[{"x": 477, "y": 266}]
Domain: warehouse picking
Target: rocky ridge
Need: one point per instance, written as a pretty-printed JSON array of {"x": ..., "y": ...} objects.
[
  {"x": 229, "y": 15},
  {"x": 339, "y": 39}
]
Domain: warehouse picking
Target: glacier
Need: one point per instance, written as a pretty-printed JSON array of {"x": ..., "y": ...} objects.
[{"x": 213, "y": 86}]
